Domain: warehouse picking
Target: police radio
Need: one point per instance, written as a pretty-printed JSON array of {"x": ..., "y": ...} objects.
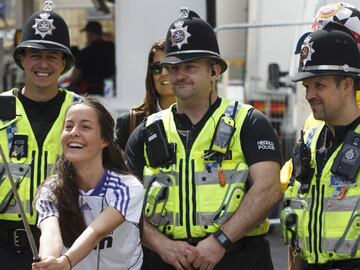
[
  {"x": 223, "y": 133},
  {"x": 301, "y": 164},
  {"x": 347, "y": 161}
]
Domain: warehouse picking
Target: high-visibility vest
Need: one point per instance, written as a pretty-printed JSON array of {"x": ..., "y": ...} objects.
[
  {"x": 328, "y": 226},
  {"x": 185, "y": 200},
  {"x": 31, "y": 170}
]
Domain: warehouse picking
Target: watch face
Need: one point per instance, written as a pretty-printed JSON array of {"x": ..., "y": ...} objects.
[{"x": 222, "y": 238}]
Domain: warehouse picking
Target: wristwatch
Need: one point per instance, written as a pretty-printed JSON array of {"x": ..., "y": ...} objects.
[{"x": 222, "y": 238}]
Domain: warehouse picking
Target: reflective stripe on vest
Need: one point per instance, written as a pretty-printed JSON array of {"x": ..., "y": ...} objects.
[
  {"x": 186, "y": 200},
  {"x": 328, "y": 228},
  {"x": 36, "y": 166}
]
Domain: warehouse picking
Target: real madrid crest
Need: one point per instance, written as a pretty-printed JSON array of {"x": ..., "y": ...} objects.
[
  {"x": 179, "y": 35},
  {"x": 44, "y": 26}
]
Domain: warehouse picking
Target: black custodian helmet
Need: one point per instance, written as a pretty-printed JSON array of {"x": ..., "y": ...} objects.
[
  {"x": 331, "y": 50},
  {"x": 190, "y": 38},
  {"x": 45, "y": 30}
]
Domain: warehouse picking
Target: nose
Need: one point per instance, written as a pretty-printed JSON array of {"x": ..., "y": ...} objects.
[
  {"x": 164, "y": 72},
  {"x": 74, "y": 132},
  {"x": 43, "y": 62},
  {"x": 310, "y": 93},
  {"x": 177, "y": 73}
]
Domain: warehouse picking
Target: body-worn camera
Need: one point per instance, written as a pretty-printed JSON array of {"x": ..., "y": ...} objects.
[
  {"x": 160, "y": 153},
  {"x": 347, "y": 161},
  {"x": 8, "y": 108},
  {"x": 301, "y": 164}
]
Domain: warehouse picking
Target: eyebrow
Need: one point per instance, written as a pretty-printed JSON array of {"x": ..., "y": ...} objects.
[{"x": 81, "y": 121}]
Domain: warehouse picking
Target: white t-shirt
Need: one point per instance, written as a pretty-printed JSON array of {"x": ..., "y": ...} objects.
[{"x": 122, "y": 248}]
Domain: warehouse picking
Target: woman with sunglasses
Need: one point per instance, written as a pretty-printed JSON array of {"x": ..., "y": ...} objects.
[{"x": 159, "y": 95}]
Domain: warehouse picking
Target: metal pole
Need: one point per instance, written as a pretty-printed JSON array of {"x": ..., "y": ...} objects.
[
  {"x": 257, "y": 25},
  {"x": 21, "y": 208}
]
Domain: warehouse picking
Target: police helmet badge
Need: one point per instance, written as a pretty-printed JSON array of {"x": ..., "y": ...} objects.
[
  {"x": 180, "y": 34},
  {"x": 44, "y": 26},
  {"x": 306, "y": 52}
]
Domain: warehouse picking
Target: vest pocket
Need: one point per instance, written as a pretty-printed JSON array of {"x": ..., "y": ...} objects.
[
  {"x": 18, "y": 171},
  {"x": 221, "y": 204},
  {"x": 228, "y": 207},
  {"x": 156, "y": 198},
  {"x": 301, "y": 208},
  {"x": 347, "y": 246}
]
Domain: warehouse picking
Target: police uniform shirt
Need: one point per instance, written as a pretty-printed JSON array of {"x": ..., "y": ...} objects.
[
  {"x": 332, "y": 142},
  {"x": 121, "y": 249},
  {"x": 42, "y": 115},
  {"x": 258, "y": 138}
]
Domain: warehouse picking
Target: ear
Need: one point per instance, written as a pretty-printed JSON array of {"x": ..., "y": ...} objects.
[
  {"x": 104, "y": 144},
  {"x": 348, "y": 84},
  {"x": 21, "y": 57},
  {"x": 215, "y": 71}
]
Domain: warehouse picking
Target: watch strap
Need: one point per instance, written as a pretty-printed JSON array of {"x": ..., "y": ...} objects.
[{"x": 222, "y": 238}]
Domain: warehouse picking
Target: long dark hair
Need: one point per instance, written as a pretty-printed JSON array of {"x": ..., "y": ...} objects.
[
  {"x": 149, "y": 105},
  {"x": 66, "y": 189}
]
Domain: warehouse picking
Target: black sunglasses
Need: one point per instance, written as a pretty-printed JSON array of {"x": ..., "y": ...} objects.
[{"x": 155, "y": 68}]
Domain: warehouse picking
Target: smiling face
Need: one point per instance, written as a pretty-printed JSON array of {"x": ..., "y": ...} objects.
[
  {"x": 161, "y": 80},
  {"x": 42, "y": 68},
  {"x": 191, "y": 79},
  {"x": 81, "y": 138}
]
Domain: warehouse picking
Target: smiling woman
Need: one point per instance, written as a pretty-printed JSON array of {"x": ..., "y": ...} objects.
[
  {"x": 159, "y": 95},
  {"x": 91, "y": 195}
]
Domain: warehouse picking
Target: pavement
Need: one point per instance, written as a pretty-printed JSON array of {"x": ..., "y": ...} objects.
[{"x": 278, "y": 249}]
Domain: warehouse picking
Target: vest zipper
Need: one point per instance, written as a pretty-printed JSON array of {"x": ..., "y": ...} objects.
[
  {"x": 180, "y": 192},
  {"x": 193, "y": 192},
  {"x": 187, "y": 184},
  {"x": 311, "y": 217},
  {"x": 316, "y": 218},
  {"x": 187, "y": 197},
  {"x": 45, "y": 165},
  {"x": 32, "y": 182},
  {"x": 38, "y": 180},
  {"x": 321, "y": 204}
]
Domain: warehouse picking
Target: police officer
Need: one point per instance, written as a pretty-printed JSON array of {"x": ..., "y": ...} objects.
[
  {"x": 321, "y": 218},
  {"x": 210, "y": 165},
  {"x": 347, "y": 15},
  {"x": 31, "y": 120}
]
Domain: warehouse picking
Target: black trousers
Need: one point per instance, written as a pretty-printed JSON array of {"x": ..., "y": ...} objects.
[
  {"x": 341, "y": 265},
  {"x": 15, "y": 252},
  {"x": 243, "y": 255},
  {"x": 13, "y": 259}
]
